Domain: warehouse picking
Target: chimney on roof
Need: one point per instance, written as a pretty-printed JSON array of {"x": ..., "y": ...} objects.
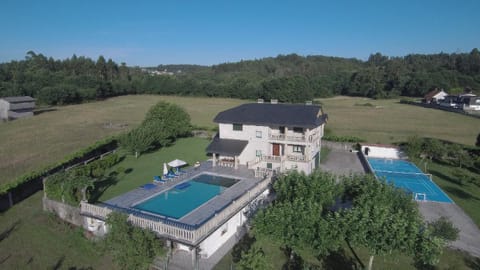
[
  {"x": 308, "y": 102},
  {"x": 260, "y": 100},
  {"x": 274, "y": 101}
]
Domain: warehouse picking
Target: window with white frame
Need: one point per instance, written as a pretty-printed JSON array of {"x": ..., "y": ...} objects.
[
  {"x": 258, "y": 153},
  {"x": 258, "y": 134},
  {"x": 297, "y": 149}
]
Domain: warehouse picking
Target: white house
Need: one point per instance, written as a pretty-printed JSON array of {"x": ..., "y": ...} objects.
[
  {"x": 471, "y": 103},
  {"x": 435, "y": 96},
  {"x": 269, "y": 137},
  {"x": 16, "y": 107}
]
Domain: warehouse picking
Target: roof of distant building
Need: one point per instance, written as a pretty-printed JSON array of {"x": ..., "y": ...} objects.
[
  {"x": 226, "y": 147},
  {"x": 433, "y": 93},
  {"x": 18, "y": 99},
  {"x": 290, "y": 115}
]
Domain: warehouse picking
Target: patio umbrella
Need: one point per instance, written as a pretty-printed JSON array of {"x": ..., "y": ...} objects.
[
  {"x": 165, "y": 169},
  {"x": 177, "y": 163}
]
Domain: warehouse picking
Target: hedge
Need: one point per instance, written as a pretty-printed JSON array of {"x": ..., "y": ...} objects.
[
  {"x": 52, "y": 168},
  {"x": 349, "y": 139}
]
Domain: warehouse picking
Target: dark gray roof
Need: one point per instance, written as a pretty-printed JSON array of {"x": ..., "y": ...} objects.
[
  {"x": 226, "y": 147},
  {"x": 18, "y": 99},
  {"x": 265, "y": 114}
]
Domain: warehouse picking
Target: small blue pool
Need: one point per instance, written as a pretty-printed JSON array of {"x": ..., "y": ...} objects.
[
  {"x": 187, "y": 196},
  {"x": 406, "y": 175}
]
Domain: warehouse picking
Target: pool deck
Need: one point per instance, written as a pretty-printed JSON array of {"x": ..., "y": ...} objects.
[{"x": 204, "y": 211}]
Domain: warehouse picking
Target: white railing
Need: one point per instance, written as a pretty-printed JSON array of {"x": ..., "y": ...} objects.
[
  {"x": 265, "y": 172},
  {"x": 268, "y": 158},
  {"x": 229, "y": 164},
  {"x": 251, "y": 164},
  {"x": 283, "y": 137},
  {"x": 294, "y": 138},
  {"x": 191, "y": 236},
  {"x": 295, "y": 158}
]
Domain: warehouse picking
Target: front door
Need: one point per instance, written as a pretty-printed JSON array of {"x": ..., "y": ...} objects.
[{"x": 276, "y": 149}]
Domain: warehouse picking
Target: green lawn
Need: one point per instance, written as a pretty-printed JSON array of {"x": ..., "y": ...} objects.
[
  {"x": 30, "y": 143},
  {"x": 388, "y": 121},
  {"x": 139, "y": 171},
  {"x": 33, "y": 239},
  {"x": 50, "y": 136},
  {"x": 465, "y": 195}
]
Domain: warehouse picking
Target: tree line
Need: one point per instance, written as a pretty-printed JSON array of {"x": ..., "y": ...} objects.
[{"x": 288, "y": 78}]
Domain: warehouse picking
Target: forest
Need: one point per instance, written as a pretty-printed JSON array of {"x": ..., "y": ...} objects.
[{"x": 288, "y": 78}]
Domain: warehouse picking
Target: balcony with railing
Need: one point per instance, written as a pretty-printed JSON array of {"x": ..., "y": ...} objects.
[
  {"x": 293, "y": 138},
  {"x": 283, "y": 137}
]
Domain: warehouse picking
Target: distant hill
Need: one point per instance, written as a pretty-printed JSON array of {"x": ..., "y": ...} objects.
[{"x": 288, "y": 78}]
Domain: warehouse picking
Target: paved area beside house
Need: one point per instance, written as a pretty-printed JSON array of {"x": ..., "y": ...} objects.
[
  {"x": 342, "y": 162},
  {"x": 469, "y": 236}
]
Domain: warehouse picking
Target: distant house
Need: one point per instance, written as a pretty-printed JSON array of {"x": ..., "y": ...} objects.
[
  {"x": 16, "y": 107},
  {"x": 449, "y": 101},
  {"x": 435, "y": 96},
  {"x": 470, "y": 103}
]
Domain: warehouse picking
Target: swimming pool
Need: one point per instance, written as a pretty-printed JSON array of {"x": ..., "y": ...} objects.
[
  {"x": 406, "y": 175},
  {"x": 185, "y": 197}
]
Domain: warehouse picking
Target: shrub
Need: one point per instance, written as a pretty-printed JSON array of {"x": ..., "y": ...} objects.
[
  {"x": 67, "y": 187},
  {"x": 350, "y": 139},
  {"x": 94, "y": 149},
  {"x": 444, "y": 229},
  {"x": 132, "y": 247}
]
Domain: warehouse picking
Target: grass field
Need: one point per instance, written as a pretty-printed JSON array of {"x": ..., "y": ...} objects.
[
  {"x": 465, "y": 195},
  {"x": 141, "y": 170},
  {"x": 33, "y": 239},
  {"x": 30, "y": 143},
  {"x": 387, "y": 121}
]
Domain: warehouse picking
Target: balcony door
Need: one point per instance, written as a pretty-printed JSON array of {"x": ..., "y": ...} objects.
[{"x": 276, "y": 149}]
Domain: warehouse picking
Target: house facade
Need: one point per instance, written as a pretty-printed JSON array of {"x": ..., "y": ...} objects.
[
  {"x": 269, "y": 137},
  {"x": 435, "y": 96},
  {"x": 471, "y": 103},
  {"x": 16, "y": 107}
]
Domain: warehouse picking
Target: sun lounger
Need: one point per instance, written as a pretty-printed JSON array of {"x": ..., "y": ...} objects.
[
  {"x": 171, "y": 174},
  {"x": 158, "y": 179}
]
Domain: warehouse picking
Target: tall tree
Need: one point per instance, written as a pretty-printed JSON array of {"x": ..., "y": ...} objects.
[{"x": 382, "y": 218}]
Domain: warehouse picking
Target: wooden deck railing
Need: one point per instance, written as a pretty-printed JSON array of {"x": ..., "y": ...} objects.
[{"x": 179, "y": 232}]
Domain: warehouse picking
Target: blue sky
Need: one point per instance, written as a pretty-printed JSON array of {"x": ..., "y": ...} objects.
[{"x": 148, "y": 33}]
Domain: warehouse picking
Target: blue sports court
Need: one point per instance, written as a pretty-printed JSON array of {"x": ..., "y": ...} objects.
[{"x": 406, "y": 175}]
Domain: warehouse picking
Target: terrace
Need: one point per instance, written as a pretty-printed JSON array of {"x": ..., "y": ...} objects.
[{"x": 198, "y": 224}]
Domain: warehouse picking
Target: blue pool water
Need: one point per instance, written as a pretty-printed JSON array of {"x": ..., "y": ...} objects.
[
  {"x": 406, "y": 175},
  {"x": 177, "y": 202}
]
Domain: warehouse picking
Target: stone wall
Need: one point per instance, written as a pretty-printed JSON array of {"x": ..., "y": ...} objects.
[
  {"x": 64, "y": 211},
  {"x": 346, "y": 146}
]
